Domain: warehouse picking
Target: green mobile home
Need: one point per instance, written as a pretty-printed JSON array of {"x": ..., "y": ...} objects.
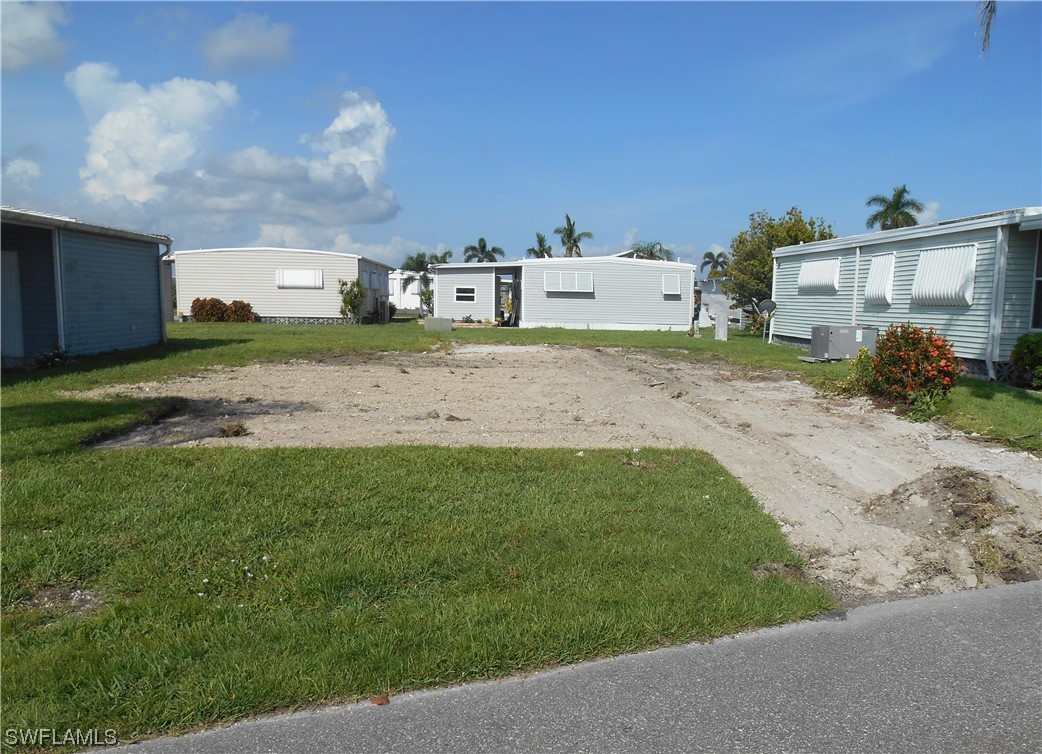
[{"x": 977, "y": 281}]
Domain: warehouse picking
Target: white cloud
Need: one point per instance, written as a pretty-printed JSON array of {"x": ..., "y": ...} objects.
[
  {"x": 28, "y": 34},
  {"x": 20, "y": 177},
  {"x": 143, "y": 133},
  {"x": 931, "y": 213},
  {"x": 249, "y": 42}
]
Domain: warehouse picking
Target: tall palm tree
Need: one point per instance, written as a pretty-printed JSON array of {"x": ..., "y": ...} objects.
[
  {"x": 652, "y": 250},
  {"x": 894, "y": 211},
  {"x": 986, "y": 10},
  {"x": 541, "y": 250},
  {"x": 717, "y": 263},
  {"x": 481, "y": 252},
  {"x": 570, "y": 238}
]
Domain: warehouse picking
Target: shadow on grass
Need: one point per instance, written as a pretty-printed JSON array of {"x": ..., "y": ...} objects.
[
  {"x": 84, "y": 364},
  {"x": 986, "y": 390}
]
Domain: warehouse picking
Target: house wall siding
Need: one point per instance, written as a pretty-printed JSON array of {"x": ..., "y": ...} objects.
[
  {"x": 250, "y": 275},
  {"x": 110, "y": 290},
  {"x": 481, "y": 279},
  {"x": 35, "y": 247},
  {"x": 1020, "y": 284},
  {"x": 966, "y": 326},
  {"x": 625, "y": 292}
]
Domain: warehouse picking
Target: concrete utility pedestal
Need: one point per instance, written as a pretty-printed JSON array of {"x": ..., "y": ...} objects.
[
  {"x": 721, "y": 327},
  {"x": 438, "y": 324}
]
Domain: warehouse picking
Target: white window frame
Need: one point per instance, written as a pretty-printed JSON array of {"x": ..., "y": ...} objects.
[
  {"x": 465, "y": 297},
  {"x": 567, "y": 281},
  {"x": 819, "y": 275},
  {"x": 298, "y": 279},
  {"x": 944, "y": 276},
  {"x": 671, "y": 284},
  {"x": 879, "y": 287}
]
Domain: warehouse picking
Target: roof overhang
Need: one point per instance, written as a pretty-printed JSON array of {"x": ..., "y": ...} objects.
[
  {"x": 992, "y": 220},
  {"x": 44, "y": 220}
]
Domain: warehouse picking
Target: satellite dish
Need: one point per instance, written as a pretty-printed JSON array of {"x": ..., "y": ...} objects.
[{"x": 766, "y": 307}]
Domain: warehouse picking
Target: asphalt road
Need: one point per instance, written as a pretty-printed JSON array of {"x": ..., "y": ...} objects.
[{"x": 952, "y": 673}]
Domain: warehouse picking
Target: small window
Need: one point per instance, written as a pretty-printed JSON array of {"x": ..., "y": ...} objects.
[
  {"x": 879, "y": 289},
  {"x": 466, "y": 294},
  {"x": 567, "y": 282},
  {"x": 945, "y": 276},
  {"x": 671, "y": 285},
  {"x": 298, "y": 278},
  {"x": 819, "y": 276}
]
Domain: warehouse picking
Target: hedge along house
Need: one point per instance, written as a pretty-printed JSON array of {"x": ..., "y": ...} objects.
[
  {"x": 77, "y": 287},
  {"x": 597, "y": 293},
  {"x": 977, "y": 281},
  {"x": 286, "y": 286}
]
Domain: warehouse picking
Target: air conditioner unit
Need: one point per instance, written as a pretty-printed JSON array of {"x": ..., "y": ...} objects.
[{"x": 835, "y": 342}]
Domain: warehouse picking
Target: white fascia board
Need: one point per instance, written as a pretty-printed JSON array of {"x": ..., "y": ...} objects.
[
  {"x": 338, "y": 254},
  {"x": 1008, "y": 217}
]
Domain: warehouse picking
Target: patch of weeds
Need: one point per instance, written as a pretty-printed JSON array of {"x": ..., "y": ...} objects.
[
  {"x": 992, "y": 557},
  {"x": 784, "y": 570},
  {"x": 233, "y": 429},
  {"x": 972, "y": 500}
]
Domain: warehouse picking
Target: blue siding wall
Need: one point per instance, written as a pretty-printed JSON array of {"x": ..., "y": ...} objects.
[
  {"x": 966, "y": 326},
  {"x": 36, "y": 276},
  {"x": 111, "y": 293},
  {"x": 1020, "y": 284}
]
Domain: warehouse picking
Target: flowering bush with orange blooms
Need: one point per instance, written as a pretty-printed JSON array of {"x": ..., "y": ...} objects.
[{"x": 911, "y": 362}]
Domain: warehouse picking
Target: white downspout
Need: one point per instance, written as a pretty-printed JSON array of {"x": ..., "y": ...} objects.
[
  {"x": 774, "y": 290},
  {"x": 857, "y": 285},
  {"x": 998, "y": 292}
]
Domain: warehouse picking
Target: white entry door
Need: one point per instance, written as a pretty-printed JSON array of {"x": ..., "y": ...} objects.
[{"x": 11, "y": 342}]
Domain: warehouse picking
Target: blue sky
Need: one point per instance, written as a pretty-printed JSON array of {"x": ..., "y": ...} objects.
[{"x": 389, "y": 128}]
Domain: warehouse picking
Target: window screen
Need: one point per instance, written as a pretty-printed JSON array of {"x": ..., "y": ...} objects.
[
  {"x": 879, "y": 288},
  {"x": 945, "y": 276},
  {"x": 819, "y": 276},
  {"x": 671, "y": 285},
  {"x": 466, "y": 294},
  {"x": 567, "y": 282},
  {"x": 298, "y": 278}
]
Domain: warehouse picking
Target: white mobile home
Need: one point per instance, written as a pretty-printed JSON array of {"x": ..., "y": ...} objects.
[
  {"x": 977, "y": 281},
  {"x": 405, "y": 289},
  {"x": 597, "y": 293},
  {"x": 289, "y": 286}
]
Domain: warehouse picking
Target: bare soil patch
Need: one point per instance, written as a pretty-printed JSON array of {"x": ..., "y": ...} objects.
[{"x": 881, "y": 507}]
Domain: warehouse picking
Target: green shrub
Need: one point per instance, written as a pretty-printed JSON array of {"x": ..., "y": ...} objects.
[
  {"x": 209, "y": 310},
  {"x": 1027, "y": 358},
  {"x": 912, "y": 363},
  {"x": 239, "y": 311},
  {"x": 861, "y": 380},
  {"x": 391, "y": 311}
]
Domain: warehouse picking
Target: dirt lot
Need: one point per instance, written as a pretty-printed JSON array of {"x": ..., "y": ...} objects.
[{"x": 881, "y": 507}]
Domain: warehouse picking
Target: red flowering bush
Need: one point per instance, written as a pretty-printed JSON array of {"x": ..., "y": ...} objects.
[
  {"x": 239, "y": 311},
  {"x": 912, "y": 363},
  {"x": 209, "y": 310}
]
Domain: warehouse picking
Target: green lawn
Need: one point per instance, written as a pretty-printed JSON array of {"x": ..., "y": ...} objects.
[{"x": 228, "y": 582}]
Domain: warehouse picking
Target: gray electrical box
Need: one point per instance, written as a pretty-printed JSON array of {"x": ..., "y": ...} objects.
[{"x": 835, "y": 342}]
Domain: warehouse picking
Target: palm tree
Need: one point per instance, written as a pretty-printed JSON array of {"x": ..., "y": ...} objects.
[
  {"x": 420, "y": 263},
  {"x": 894, "y": 211},
  {"x": 481, "y": 252},
  {"x": 570, "y": 238},
  {"x": 986, "y": 10},
  {"x": 652, "y": 250},
  {"x": 717, "y": 263},
  {"x": 541, "y": 250}
]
